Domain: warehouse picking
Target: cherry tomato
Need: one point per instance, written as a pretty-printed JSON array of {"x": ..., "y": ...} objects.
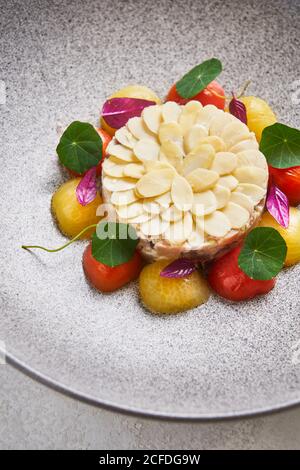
[
  {"x": 230, "y": 282},
  {"x": 107, "y": 279},
  {"x": 212, "y": 94},
  {"x": 106, "y": 138},
  {"x": 288, "y": 180}
]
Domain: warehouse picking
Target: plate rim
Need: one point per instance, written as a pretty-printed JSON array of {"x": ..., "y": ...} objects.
[{"x": 82, "y": 397}]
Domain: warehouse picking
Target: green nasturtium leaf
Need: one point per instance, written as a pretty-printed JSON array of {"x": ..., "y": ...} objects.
[
  {"x": 114, "y": 243},
  {"x": 198, "y": 78},
  {"x": 263, "y": 253},
  {"x": 280, "y": 144},
  {"x": 80, "y": 147}
]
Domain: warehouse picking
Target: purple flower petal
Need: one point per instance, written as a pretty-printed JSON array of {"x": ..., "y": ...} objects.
[
  {"x": 278, "y": 206},
  {"x": 117, "y": 111},
  {"x": 86, "y": 190},
  {"x": 238, "y": 109},
  {"x": 179, "y": 268}
]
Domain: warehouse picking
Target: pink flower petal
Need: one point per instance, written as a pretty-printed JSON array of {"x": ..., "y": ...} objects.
[
  {"x": 179, "y": 268},
  {"x": 86, "y": 190},
  {"x": 278, "y": 206},
  {"x": 117, "y": 111}
]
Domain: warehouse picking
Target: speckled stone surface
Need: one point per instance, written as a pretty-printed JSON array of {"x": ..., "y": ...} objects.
[{"x": 59, "y": 60}]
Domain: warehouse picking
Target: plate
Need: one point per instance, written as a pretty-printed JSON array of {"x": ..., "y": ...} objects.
[{"x": 59, "y": 63}]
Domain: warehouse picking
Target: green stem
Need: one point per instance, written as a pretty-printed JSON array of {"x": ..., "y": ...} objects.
[
  {"x": 244, "y": 88},
  {"x": 29, "y": 247}
]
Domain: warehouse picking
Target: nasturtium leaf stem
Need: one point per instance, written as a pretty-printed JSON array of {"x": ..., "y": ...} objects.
[
  {"x": 54, "y": 250},
  {"x": 243, "y": 89}
]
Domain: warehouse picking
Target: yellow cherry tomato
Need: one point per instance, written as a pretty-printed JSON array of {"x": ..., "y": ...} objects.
[
  {"x": 163, "y": 295},
  {"x": 291, "y": 234},
  {"x": 259, "y": 114},
  {"x": 71, "y": 216},
  {"x": 131, "y": 91}
]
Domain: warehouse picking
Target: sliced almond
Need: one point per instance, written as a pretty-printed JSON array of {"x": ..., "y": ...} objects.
[
  {"x": 237, "y": 215},
  {"x": 228, "y": 181},
  {"x": 197, "y": 236},
  {"x": 152, "y": 207},
  {"x": 216, "y": 142},
  {"x": 251, "y": 158},
  {"x": 218, "y": 123},
  {"x": 132, "y": 210},
  {"x": 155, "y": 183},
  {"x": 170, "y": 111},
  {"x": 179, "y": 231},
  {"x": 224, "y": 163},
  {"x": 137, "y": 127},
  {"x": 201, "y": 157},
  {"x": 113, "y": 169},
  {"x": 141, "y": 219},
  {"x": 170, "y": 131},
  {"x": 254, "y": 192},
  {"x": 189, "y": 115},
  {"x": 251, "y": 175},
  {"x": 202, "y": 179},
  {"x": 172, "y": 153},
  {"x": 118, "y": 184},
  {"x": 206, "y": 115},
  {"x": 123, "y": 198},
  {"x": 172, "y": 214},
  {"x": 154, "y": 227},
  {"x": 123, "y": 153},
  {"x": 217, "y": 224},
  {"x": 157, "y": 165},
  {"x": 134, "y": 170},
  {"x": 146, "y": 150},
  {"x": 181, "y": 193},
  {"x": 222, "y": 195},
  {"x": 125, "y": 137},
  {"x": 164, "y": 200},
  {"x": 235, "y": 132},
  {"x": 152, "y": 117},
  {"x": 249, "y": 144},
  {"x": 242, "y": 200},
  {"x": 194, "y": 137},
  {"x": 204, "y": 203}
]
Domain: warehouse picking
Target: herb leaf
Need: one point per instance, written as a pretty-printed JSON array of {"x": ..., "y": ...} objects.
[
  {"x": 238, "y": 109},
  {"x": 263, "y": 253},
  {"x": 114, "y": 243},
  {"x": 80, "y": 147},
  {"x": 198, "y": 78},
  {"x": 117, "y": 111},
  {"x": 86, "y": 190},
  {"x": 179, "y": 268},
  {"x": 280, "y": 144},
  {"x": 278, "y": 206}
]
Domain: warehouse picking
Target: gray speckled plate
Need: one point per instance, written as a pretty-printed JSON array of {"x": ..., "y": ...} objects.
[{"x": 59, "y": 60}]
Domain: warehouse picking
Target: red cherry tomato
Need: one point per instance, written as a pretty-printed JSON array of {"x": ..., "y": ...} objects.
[
  {"x": 230, "y": 282},
  {"x": 107, "y": 279},
  {"x": 212, "y": 94},
  {"x": 288, "y": 180},
  {"x": 106, "y": 138}
]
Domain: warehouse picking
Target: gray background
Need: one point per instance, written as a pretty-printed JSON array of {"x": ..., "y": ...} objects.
[
  {"x": 54, "y": 73},
  {"x": 31, "y": 416}
]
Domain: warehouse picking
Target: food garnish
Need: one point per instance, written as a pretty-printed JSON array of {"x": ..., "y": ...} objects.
[
  {"x": 278, "y": 206},
  {"x": 80, "y": 147},
  {"x": 86, "y": 191}
]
